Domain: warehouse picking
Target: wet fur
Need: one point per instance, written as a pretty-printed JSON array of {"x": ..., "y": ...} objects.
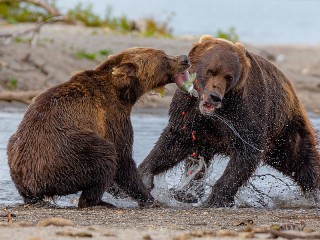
[
  {"x": 78, "y": 136},
  {"x": 260, "y": 104}
]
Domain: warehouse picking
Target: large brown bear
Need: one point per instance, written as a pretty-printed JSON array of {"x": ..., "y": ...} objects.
[
  {"x": 78, "y": 135},
  {"x": 248, "y": 111}
]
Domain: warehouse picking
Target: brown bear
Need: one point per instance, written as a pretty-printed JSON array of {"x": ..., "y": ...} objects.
[
  {"x": 248, "y": 111},
  {"x": 77, "y": 136}
]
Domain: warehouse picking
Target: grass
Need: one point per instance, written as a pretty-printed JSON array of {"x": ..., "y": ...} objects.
[
  {"x": 105, "y": 52},
  {"x": 22, "y": 40},
  {"x": 12, "y": 83},
  {"x": 83, "y": 54}
]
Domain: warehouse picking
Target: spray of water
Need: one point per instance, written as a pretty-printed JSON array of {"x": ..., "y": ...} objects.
[{"x": 229, "y": 125}]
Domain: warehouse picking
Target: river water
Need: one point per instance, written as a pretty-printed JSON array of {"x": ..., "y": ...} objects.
[
  {"x": 263, "y": 21},
  {"x": 267, "y": 189}
]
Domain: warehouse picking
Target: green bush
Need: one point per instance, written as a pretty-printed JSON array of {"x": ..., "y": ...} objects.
[
  {"x": 15, "y": 11},
  {"x": 230, "y": 35},
  {"x": 154, "y": 28},
  {"x": 85, "y": 15}
]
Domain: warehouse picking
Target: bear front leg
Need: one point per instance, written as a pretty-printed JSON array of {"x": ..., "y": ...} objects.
[
  {"x": 129, "y": 179},
  {"x": 238, "y": 171},
  {"x": 171, "y": 148}
]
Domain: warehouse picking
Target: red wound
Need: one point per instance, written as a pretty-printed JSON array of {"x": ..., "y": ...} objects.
[{"x": 193, "y": 136}]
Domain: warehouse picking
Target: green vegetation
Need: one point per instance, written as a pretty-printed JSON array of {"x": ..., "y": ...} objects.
[
  {"x": 154, "y": 29},
  {"x": 22, "y": 40},
  {"x": 12, "y": 84},
  {"x": 230, "y": 35},
  {"x": 85, "y": 15},
  {"x": 105, "y": 52},
  {"x": 14, "y": 11},
  {"x": 83, "y": 54}
]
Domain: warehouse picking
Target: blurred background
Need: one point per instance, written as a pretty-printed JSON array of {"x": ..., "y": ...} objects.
[{"x": 263, "y": 21}]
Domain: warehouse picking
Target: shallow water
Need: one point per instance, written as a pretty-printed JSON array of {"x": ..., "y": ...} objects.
[{"x": 264, "y": 190}]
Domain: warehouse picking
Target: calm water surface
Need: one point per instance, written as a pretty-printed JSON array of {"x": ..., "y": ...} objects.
[
  {"x": 147, "y": 128},
  {"x": 263, "y": 21}
]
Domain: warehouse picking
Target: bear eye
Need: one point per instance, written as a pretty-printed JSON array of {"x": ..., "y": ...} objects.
[
  {"x": 228, "y": 78},
  {"x": 210, "y": 73}
]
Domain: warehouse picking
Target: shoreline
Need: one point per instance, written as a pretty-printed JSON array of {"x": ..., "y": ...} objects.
[{"x": 60, "y": 49}]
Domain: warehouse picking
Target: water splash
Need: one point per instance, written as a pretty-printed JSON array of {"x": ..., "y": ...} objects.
[
  {"x": 268, "y": 188},
  {"x": 229, "y": 124}
]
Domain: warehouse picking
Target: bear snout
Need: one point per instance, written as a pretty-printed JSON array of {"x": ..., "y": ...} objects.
[
  {"x": 184, "y": 60},
  {"x": 209, "y": 102},
  {"x": 216, "y": 98},
  {"x": 213, "y": 98}
]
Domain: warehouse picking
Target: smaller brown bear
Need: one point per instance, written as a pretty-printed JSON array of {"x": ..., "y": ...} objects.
[
  {"x": 78, "y": 136},
  {"x": 248, "y": 111}
]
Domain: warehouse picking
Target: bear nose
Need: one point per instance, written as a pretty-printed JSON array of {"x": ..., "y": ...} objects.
[
  {"x": 216, "y": 97},
  {"x": 184, "y": 60}
]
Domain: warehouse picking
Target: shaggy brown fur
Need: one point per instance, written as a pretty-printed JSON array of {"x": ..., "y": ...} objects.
[
  {"x": 78, "y": 136},
  {"x": 248, "y": 111}
]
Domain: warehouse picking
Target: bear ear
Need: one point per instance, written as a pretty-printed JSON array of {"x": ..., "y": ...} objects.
[
  {"x": 123, "y": 74},
  {"x": 204, "y": 38},
  {"x": 107, "y": 65},
  {"x": 124, "y": 70},
  {"x": 241, "y": 46}
]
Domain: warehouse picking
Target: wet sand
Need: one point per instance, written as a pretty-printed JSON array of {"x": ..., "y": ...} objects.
[{"x": 157, "y": 223}]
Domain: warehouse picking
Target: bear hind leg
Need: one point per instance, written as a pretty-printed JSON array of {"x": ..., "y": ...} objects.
[
  {"x": 28, "y": 198},
  {"x": 295, "y": 155},
  {"x": 95, "y": 159},
  {"x": 92, "y": 197}
]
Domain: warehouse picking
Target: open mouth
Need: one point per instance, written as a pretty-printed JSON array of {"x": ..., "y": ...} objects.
[
  {"x": 183, "y": 72},
  {"x": 206, "y": 107},
  {"x": 180, "y": 78}
]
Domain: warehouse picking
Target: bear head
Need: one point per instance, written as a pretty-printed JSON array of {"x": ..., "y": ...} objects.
[
  {"x": 221, "y": 66},
  {"x": 136, "y": 71}
]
